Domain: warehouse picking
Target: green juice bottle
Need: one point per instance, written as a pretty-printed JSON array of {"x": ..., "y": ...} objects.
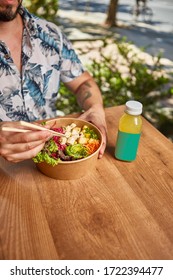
[{"x": 129, "y": 132}]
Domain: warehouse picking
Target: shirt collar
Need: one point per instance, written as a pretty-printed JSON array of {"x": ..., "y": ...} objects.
[{"x": 29, "y": 21}]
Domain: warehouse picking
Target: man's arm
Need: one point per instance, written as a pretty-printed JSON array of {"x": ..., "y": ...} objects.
[
  {"x": 90, "y": 100},
  {"x": 86, "y": 90}
]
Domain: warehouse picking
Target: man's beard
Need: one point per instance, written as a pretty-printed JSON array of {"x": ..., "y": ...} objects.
[{"x": 8, "y": 14}]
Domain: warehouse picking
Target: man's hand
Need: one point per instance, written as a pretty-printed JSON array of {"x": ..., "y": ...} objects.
[
  {"x": 19, "y": 146},
  {"x": 96, "y": 115}
]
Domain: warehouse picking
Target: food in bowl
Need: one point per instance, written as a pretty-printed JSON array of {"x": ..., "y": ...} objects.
[
  {"x": 73, "y": 155},
  {"x": 77, "y": 143}
]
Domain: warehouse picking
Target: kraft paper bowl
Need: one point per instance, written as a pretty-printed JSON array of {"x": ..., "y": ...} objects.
[{"x": 70, "y": 170}]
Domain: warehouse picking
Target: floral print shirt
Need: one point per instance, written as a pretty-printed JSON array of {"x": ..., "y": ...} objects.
[{"x": 47, "y": 59}]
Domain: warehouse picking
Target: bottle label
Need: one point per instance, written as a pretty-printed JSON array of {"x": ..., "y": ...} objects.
[{"x": 127, "y": 146}]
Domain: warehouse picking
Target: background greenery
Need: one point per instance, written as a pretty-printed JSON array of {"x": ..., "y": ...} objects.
[
  {"x": 130, "y": 77},
  {"x": 43, "y": 8},
  {"x": 148, "y": 83}
]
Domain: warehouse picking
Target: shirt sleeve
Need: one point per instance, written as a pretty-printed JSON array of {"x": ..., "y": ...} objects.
[{"x": 71, "y": 66}]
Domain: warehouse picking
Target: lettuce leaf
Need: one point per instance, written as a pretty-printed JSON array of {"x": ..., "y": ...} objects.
[
  {"x": 46, "y": 154},
  {"x": 77, "y": 151}
]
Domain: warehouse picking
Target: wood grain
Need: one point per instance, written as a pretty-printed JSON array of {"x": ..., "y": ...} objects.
[{"x": 119, "y": 211}]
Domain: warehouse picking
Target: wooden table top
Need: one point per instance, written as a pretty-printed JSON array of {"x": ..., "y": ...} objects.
[{"x": 120, "y": 210}]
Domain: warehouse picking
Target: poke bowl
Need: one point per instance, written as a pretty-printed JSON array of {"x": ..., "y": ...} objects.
[{"x": 72, "y": 156}]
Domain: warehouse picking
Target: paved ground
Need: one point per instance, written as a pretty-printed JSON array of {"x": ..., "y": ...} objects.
[{"x": 80, "y": 21}]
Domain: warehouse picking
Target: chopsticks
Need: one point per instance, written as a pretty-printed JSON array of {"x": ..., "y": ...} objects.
[
  {"x": 30, "y": 125},
  {"x": 13, "y": 129}
]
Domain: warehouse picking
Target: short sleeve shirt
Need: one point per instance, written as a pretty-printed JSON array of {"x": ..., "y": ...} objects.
[{"x": 47, "y": 58}]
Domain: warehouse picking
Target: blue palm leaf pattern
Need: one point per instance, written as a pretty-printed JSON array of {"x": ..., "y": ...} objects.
[
  {"x": 56, "y": 66},
  {"x": 70, "y": 54},
  {"x": 34, "y": 72},
  {"x": 5, "y": 101},
  {"x": 51, "y": 30},
  {"x": 24, "y": 58},
  {"x": 18, "y": 114},
  {"x": 46, "y": 80},
  {"x": 5, "y": 68},
  {"x": 35, "y": 91},
  {"x": 48, "y": 44}
]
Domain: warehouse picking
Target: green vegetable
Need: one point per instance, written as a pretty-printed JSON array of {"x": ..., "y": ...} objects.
[
  {"x": 45, "y": 154},
  {"x": 44, "y": 157},
  {"x": 90, "y": 133},
  {"x": 50, "y": 146},
  {"x": 77, "y": 151}
]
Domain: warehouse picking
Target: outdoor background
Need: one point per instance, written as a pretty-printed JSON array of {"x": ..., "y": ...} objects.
[{"x": 129, "y": 57}]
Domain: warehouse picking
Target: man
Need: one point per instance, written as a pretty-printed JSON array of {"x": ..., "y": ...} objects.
[
  {"x": 138, "y": 3},
  {"x": 34, "y": 57}
]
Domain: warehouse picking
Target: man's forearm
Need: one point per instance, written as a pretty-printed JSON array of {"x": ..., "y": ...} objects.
[
  {"x": 86, "y": 90},
  {"x": 89, "y": 95}
]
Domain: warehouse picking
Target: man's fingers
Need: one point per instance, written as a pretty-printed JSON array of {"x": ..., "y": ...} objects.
[
  {"x": 102, "y": 149},
  {"x": 8, "y": 149},
  {"x": 24, "y": 137},
  {"x": 24, "y": 155}
]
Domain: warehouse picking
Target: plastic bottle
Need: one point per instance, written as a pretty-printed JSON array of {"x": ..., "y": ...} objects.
[{"x": 129, "y": 132}]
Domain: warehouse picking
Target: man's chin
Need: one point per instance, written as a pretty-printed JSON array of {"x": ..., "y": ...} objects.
[{"x": 8, "y": 14}]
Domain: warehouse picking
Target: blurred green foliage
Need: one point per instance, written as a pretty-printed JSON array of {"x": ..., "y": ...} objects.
[
  {"x": 43, "y": 8},
  {"x": 148, "y": 83},
  {"x": 128, "y": 78}
]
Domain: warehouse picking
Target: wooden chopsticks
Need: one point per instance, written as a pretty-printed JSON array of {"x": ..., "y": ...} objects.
[
  {"x": 14, "y": 129},
  {"x": 30, "y": 125}
]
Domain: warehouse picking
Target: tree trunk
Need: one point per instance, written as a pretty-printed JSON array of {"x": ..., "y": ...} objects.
[{"x": 111, "y": 13}]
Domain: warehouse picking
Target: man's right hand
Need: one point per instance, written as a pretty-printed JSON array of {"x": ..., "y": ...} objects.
[{"x": 19, "y": 146}]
